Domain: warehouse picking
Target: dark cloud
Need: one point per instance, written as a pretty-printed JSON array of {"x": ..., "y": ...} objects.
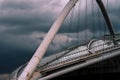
[
  {"x": 23, "y": 24},
  {"x": 27, "y": 16},
  {"x": 26, "y": 21},
  {"x": 16, "y": 4}
]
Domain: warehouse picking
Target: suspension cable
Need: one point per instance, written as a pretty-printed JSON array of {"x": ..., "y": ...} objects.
[
  {"x": 99, "y": 22},
  {"x": 93, "y": 25},
  {"x": 79, "y": 21},
  {"x": 69, "y": 26},
  {"x": 86, "y": 26}
]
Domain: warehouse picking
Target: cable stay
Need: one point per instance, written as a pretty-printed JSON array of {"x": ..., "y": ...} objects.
[{"x": 81, "y": 55}]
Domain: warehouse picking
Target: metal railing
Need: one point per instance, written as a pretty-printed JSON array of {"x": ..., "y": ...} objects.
[{"x": 54, "y": 66}]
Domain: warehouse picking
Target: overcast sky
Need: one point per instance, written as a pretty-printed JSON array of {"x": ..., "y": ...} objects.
[{"x": 24, "y": 23}]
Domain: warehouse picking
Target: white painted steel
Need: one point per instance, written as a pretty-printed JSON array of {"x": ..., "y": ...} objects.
[
  {"x": 29, "y": 69},
  {"x": 52, "y": 57},
  {"x": 81, "y": 65},
  {"x": 83, "y": 50},
  {"x": 71, "y": 57},
  {"x": 100, "y": 45},
  {"x": 80, "y": 51}
]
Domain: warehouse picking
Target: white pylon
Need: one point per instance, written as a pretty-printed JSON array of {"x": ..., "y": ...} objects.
[{"x": 29, "y": 69}]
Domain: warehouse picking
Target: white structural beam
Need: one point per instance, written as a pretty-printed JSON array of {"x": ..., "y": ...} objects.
[
  {"x": 82, "y": 65},
  {"x": 30, "y": 68}
]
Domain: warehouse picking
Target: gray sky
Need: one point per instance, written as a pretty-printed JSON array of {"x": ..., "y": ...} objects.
[{"x": 24, "y": 23}]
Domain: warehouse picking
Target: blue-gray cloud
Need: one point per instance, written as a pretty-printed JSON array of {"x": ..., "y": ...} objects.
[{"x": 24, "y": 23}]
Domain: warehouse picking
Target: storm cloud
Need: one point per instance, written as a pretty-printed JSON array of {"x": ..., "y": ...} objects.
[{"x": 24, "y": 24}]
